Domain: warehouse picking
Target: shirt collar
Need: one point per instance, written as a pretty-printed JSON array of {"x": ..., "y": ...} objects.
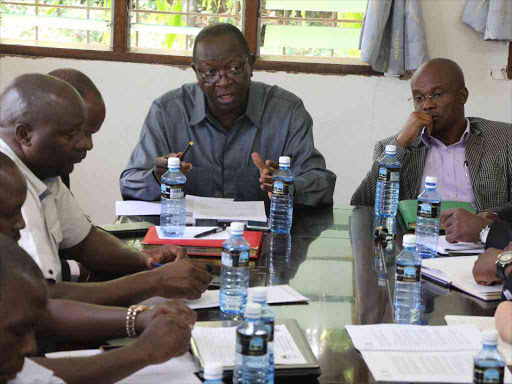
[
  {"x": 429, "y": 140},
  {"x": 253, "y": 111},
  {"x": 40, "y": 187}
]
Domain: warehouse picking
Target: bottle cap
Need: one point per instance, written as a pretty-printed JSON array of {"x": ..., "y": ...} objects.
[
  {"x": 237, "y": 228},
  {"x": 490, "y": 336},
  {"x": 253, "y": 310},
  {"x": 173, "y": 162},
  {"x": 213, "y": 371},
  {"x": 409, "y": 240},
  {"x": 391, "y": 149},
  {"x": 431, "y": 180},
  {"x": 284, "y": 160},
  {"x": 259, "y": 294}
]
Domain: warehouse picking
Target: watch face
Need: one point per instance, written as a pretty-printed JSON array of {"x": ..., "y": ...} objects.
[{"x": 505, "y": 257}]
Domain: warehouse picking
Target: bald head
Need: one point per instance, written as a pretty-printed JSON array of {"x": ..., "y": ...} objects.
[
  {"x": 13, "y": 192},
  {"x": 446, "y": 67}
]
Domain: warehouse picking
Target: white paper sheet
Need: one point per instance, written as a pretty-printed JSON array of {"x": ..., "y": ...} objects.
[
  {"x": 403, "y": 338},
  {"x": 444, "y": 247},
  {"x": 276, "y": 294},
  {"x": 482, "y": 323},
  {"x": 230, "y": 210},
  {"x": 218, "y": 345},
  {"x": 179, "y": 370},
  {"x": 190, "y": 232},
  {"x": 423, "y": 367}
]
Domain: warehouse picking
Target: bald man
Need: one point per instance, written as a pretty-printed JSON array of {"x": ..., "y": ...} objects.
[
  {"x": 41, "y": 120},
  {"x": 165, "y": 337},
  {"x": 471, "y": 157}
]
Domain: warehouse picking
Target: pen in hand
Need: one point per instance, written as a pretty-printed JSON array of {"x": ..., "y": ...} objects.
[{"x": 190, "y": 144}]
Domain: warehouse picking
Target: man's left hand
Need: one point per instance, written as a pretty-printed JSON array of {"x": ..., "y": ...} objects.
[
  {"x": 484, "y": 270},
  {"x": 267, "y": 169},
  {"x": 173, "y": 308},
  {"x": 462, "y": 225},
  {"x": 165, "y": 254}
]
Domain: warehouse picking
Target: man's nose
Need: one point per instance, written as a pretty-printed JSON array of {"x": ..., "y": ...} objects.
[
  {"x": 85, "y": 141},
  {"x": 224, "y": 80},
  {"x": 20, "y": 223},
  {"x": 428, "y": 103}
]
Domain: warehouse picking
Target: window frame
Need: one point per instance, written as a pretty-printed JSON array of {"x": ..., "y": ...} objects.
[{"x": 120, "y": 51}]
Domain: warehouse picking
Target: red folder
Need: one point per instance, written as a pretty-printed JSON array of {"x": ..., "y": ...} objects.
[{"x": 202, "y": 247}]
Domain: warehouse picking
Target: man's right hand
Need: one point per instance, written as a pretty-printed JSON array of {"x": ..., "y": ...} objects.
[
  {"x": 484, "y": 270},
  {"x": 181, "y": 279},
  {"x": 164, "y": 338},
  {"x": 161, "y": 165},
  {"x": 462, "y": 225},
  {"x": 413, "y": 127}
]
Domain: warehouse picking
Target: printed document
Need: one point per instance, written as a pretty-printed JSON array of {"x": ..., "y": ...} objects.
[{"x": 444, "y": 247}]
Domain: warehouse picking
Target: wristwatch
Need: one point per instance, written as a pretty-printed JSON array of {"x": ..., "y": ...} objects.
[{"x": 503, "y": 261}]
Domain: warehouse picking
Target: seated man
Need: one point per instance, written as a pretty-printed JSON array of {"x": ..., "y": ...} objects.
[
  {"x": 471, "y": 158},
  {"x": 163, "y": 339},
  {"x": 233, "y": 122},
  {"x": 65, "y": 320},
  {"x": 41, "y": 120}
]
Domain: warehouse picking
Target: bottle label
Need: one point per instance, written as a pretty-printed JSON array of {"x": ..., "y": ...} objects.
[
  {"x": 235, "y": 259},
  {"x": 408, "y": 273},
  {"x": 485, "y": 375},
  {"x": 281, "y": 187},
  {"x": 428, "y": 210},
  {"x": 270, "y": 329},
  {"x": 176, "y": 191},
  {"x": 389, "y": 174},
  {"x": 251, "y": 345}
]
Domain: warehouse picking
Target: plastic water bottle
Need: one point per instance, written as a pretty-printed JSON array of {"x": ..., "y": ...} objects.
[
  {"x": 489, "y": 364},
  {"x": 234, "y": 273},
  {"x": 427, "y": 219},
  {"x": 268, "y": 319},
  {"x": 281, "y": 205},
  {"x": 251, "y": 359},
  {"x": 213, "y": 373},
  {"x": 407, "y": 298},
  {"x": 279, "y": 259},
  {"x": 388, "y": 184},
  {"x": 173, "y": 214}
]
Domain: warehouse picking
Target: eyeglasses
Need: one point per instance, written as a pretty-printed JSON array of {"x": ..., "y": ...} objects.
[
  {"x": 435, "y": 97},
  {"x": 213, "y": 76}
]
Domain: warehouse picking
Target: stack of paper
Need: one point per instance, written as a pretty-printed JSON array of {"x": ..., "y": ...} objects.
[
  {"x": 457, "y": 272},
  {"x": 444, "y": 247},
  {"x": 418, "y": 354},
  {"x": 200, "y": 208}
]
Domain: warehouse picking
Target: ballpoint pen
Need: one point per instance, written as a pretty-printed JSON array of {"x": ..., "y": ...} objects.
[
  {"x": 209, "y": 232},
  {"x": 190, "y": 143}
]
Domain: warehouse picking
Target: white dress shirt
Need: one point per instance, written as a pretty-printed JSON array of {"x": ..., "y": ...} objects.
[
  {"x": 53, "y": 218},
  {"x": 33, "y": 373}
]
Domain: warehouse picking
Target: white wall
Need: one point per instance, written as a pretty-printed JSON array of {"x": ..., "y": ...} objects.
[{"x": 350, "y": 112}]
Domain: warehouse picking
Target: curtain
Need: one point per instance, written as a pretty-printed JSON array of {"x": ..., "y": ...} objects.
[
  {"x": 393, "y": 36},
  {"x": 493, "y": 18}
]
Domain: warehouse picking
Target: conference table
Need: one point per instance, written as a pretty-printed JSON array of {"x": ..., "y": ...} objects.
[{"x": 334, "y": 259}]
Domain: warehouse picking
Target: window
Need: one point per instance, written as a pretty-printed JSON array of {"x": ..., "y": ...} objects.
[{"x": 291, "y": 35}]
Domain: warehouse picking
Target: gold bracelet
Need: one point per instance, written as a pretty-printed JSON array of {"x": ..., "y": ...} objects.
[{"x": 132, "y": 313}]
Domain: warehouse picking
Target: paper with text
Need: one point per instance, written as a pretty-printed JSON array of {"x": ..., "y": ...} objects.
[
  {"x": 230, "y": 210},
  {"x": 444, "y": 247},
  {"x": 152, "y": 208},
  {"x": 482, "y": 323},
  {"x": 190, "y": 232},
  {"x": 218, "y": 345}
]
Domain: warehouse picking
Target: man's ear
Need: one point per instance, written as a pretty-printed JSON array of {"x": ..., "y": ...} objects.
[
  {"x": 464, "y": 94},
  {"x": 252, "y": 60},
  {"x": 23, "y": 133}
]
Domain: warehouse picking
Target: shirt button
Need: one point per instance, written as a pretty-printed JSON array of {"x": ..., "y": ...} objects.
[{"x": 50, "y": 272}]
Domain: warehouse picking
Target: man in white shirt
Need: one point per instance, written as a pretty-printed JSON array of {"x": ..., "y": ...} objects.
[
  {"x": 41, "y": 121},
  {"x": 23, "y": 298}
]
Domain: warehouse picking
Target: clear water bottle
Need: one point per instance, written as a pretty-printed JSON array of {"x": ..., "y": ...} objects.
[
  {"x": 388, "y": 184},
  {"x": 427, "y": 219},
  {"x": 489, "y": 364},
  {"x": 173, "y": 216},
  {"x": 251, "y": 359},
  {"x": 407, "y": 298},
  {"x": 281, "y": 205},
  {"x": 213, "y": 373},
  {"x": 234, "y": 272},
  {"x": 279, "y": 259},
  {"x": 268, "y": 319}
]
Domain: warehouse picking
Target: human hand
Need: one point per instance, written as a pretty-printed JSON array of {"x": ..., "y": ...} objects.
[
  {"x": 462, "y": 225},
  {"x": 175, "y": 309},
  {"x": 267, "y": 169},
  {"x": 182, "y": 279},
  {"x": 161, "y": 165},
  {"x": 165, "y": 254},
  {"x": 484, "y": 270},
  {"x": 488, "y": 215},
  {"x": 164, "y": 338},
  {"x": 413, "y": 127}
]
